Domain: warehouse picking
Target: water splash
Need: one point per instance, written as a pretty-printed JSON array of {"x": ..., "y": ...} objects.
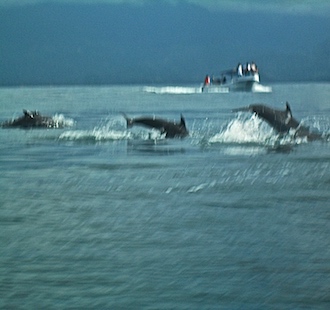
[
  {"x": 94, "y": 135},
  {"x": 60, "y": 121},
  {"x": 111, "y": 129},
  {"x": 108, "y": 130},
  {"x": 250, "y": 135},
  {"x": 319, "y": 124},
  {"x": 241, "y": 130}
]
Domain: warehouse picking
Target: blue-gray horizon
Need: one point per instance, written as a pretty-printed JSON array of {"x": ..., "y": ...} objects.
[
  {"x": 154, "y": 42},
  {"x": 317, "y": 7}
]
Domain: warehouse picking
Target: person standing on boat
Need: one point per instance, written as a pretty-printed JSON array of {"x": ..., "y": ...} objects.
[
  {"x": 248, "y": 68},
  {"x": 254, "y": 67},
  {"x": 239, "y": 70},
  {"x": 207, "y": 80}
]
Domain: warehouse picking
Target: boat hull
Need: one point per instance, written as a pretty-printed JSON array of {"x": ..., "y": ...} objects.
[
  {"x": 233, "y": 80},
  {"x": 237, "y": 87}
]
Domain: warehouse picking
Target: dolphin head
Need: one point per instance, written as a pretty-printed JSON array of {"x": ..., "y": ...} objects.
[{"x": 27, "y": 114}]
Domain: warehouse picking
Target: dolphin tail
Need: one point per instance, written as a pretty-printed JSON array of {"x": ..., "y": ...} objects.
[{"x": 129, "y": 121}]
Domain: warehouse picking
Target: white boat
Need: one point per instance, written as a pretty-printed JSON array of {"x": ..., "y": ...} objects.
[{"x": 241, "y": 78}]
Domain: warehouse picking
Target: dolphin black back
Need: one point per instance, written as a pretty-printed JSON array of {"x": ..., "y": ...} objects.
[{"x": 171, "y": 129}]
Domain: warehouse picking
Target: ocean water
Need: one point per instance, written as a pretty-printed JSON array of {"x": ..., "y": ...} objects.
[{"x": 98, "y": 216}]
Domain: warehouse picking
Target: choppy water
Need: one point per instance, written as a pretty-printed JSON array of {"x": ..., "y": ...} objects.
[{"x": 98, "y": 216}]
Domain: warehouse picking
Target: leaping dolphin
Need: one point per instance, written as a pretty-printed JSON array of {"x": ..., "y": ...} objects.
[
  {"x": 32, "y": 119},
  {"x": 281, "y": 121},
  {"x": 171, "y": 129}
]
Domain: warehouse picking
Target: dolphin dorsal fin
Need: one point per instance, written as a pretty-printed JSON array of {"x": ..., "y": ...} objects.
[
  {"x": 288, "y": 110},
  {"x": 288, "y": 113},
  {"x": 182, "y": 122}
]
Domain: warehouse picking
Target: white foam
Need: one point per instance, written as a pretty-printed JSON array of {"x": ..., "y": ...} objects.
[
  {"x": 94, "y": 135},
  {"x": 177, "y": 90},
  {"x": 259, "y": 88}
]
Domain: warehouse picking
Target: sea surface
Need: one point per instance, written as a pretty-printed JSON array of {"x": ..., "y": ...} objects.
[{"x": 98, "y": 216}]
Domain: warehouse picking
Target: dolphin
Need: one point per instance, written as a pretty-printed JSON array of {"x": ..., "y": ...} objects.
[
  {"x": 281, "y": 121},
  {"x": 31, "y": 119},
  {"x": 171, "y": 129}
]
